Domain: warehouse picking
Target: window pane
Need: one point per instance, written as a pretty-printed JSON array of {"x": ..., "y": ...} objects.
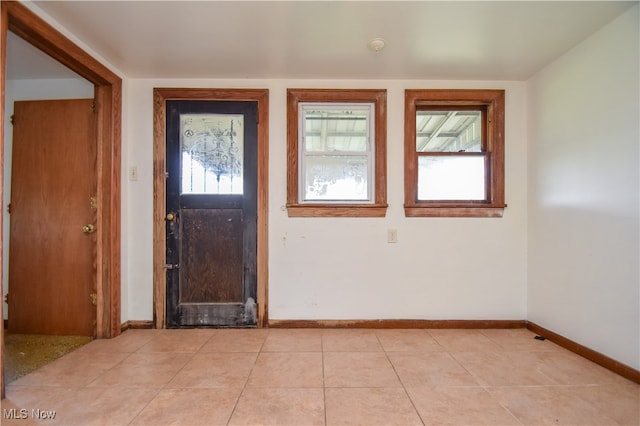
[
  {"x": 212, "y": 153},
  {"x": 336, "y": 178},
  {"x": 330, "y": 130},
  {"x": 449, "y": 131},
  {"x": 451, "y": 178}
]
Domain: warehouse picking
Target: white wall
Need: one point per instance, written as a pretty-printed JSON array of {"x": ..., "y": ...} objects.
[
  {"x": 343, "y": 268},
  {"x": 583, "y": 160},
  {"x": 69, "y": 88}
]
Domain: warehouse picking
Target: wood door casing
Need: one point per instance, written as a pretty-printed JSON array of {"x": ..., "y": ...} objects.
[
  {"x": 160, "y": 96},
  {"x": 51, "y": 260},
  {"x": 16, "y": 17}
]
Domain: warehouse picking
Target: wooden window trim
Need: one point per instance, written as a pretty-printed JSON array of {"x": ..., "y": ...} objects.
[
  {"x": 493, "y": 101},
  {"x": 376, "y": 209}
]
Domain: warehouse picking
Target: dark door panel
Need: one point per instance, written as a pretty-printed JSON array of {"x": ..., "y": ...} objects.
[
  {"x": 211, "y": 257},
  {"x": 212, "y": 213}
]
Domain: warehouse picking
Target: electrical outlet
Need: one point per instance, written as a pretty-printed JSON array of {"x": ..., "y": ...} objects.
[{"x": 392, "y": 235}]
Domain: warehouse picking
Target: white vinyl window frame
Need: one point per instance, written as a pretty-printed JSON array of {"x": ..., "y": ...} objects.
[{"x": 305, "y": 154}]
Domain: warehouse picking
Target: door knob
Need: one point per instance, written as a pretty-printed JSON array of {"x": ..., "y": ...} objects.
[{"x": 88, "y": 229}]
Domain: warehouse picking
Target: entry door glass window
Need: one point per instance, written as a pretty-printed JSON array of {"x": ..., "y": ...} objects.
[{"x": 212, "y": 153}]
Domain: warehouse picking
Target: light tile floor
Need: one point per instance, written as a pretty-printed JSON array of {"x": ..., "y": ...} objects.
[{"x": 322, "y": 377}]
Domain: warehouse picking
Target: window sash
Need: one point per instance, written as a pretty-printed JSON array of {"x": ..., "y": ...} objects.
[
  {"x": 456, "y": 186},
  {"x": 460, "y": 127},
  {"x": 306, "y": 156},
  {"x": 492, "y": 105},
  {"x": 464, "y": 186}
]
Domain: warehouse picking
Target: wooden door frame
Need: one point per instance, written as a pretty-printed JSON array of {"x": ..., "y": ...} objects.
[
  {"x": 18, "y": 19},
  {"x": 160, "y": 96}
]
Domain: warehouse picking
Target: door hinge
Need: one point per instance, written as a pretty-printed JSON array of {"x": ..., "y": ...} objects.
[
  {"x": 94, "y": 299},
  {"x": 94, "y": 106},
  {"x": 6, "y": 298},
  {"x": 171, "y": 266},
  {"x": 12, "y": 119},
  {"x": 9, "y": 208}
]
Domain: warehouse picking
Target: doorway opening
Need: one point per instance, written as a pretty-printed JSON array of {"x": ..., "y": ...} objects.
[
  {"x": 253, "y": 295},
  {"x": 16, "y": 18}
]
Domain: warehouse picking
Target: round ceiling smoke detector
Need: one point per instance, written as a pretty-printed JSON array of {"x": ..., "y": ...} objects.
[{"x": 377, "y": 44}]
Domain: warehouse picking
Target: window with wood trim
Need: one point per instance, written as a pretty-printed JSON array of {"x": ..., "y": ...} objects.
[
  {"x": 454, "y": 153},
  {"x": 336, "y": 149}
]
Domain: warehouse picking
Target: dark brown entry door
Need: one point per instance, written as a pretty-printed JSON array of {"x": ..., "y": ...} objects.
[
  {"x": 211, "y": 213},
  {"x": 52, "y": 241}
]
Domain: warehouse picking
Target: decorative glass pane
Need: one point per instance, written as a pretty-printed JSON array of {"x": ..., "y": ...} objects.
[
  {"x": 451, "y": 178},
  {"x": 340, "y": 129},
  {"x": 449, "y": 131},
  {"x": 336, "y": 178},
  {"x": 212, "y": 153}
]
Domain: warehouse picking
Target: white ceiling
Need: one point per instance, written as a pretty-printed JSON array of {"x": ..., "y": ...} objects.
[{"x": 494, "y": 40}]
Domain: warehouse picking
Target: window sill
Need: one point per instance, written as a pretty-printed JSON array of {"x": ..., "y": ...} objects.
[
  {"x": 452, "y": 211},
  {"x": 337, "y": 210}
]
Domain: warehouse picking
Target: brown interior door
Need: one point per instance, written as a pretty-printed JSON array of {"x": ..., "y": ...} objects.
[
  {"x": 211, "y": 213},
  {"x": 52, "y": 221}
]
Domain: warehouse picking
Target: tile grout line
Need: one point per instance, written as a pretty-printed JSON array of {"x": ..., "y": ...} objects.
[
  {"x": 193, "y": 354},
  {"x": 155, "y": 391},
  {"x": 161, "y": 388},
  {"x": 246, "y": 382},
  {"x": 512, "y": 414},
  {"x": 485, "y": 387},
  {"x": 164, "y": 386},
  {"x": 404, "y": 388}
]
